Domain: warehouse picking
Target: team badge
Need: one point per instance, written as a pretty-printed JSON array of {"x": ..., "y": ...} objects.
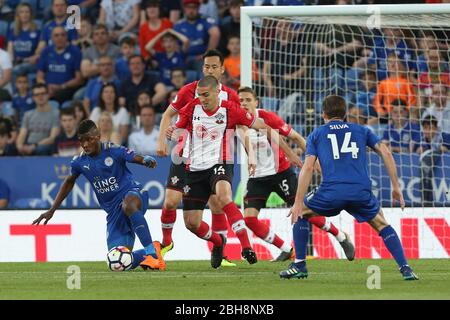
[
  {"x": 174, "y": 180},
  {"x": 109, "y": 161},
  {"x": 219, "y": 118},
  {"x": 186, "y": 189},
  {"x": 67, "y": 56},
  {"x": 33, "y": 35}
]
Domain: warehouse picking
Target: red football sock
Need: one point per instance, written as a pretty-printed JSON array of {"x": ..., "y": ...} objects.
[
  {"x": 322, "y": 223},
  {"x": 219, "y": 223},
  {"x": 205, "y": 232},
  {"x": 263, "y": 231},
  {"x": 236, "y": 221},
  {"x": 168, "y": 218}
]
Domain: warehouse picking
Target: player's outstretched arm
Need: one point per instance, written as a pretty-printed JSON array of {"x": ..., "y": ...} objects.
[
  {"x": 304, "y": 180},
  {"x": 274, "y": 136},
  {"x": 63, "y": 192},
  {"x": 384, "y": 152},
  {"x": 298, "y": 139},
  {"x": 162, "y": 150},
  {"x": 147, "y": 161}
]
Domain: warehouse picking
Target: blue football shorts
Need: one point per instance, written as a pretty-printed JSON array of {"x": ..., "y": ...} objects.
[{"x": 326, "y": 203}]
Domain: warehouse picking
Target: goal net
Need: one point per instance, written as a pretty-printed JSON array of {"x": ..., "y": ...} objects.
[{"x": 391, "y": 64}]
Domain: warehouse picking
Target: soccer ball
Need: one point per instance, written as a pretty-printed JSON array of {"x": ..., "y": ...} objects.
[{"x": 119, "y": 259}]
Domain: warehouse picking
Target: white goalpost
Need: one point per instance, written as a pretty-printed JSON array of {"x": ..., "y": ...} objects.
[{"x": 391, "y": 64}]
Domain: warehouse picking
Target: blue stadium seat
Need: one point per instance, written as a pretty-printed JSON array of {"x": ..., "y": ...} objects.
[
  {"x": 3, "y": 28},
  {"x": 66, "y": 104},
  {"x": 34, "y": 5},
  {"x": 30, "y": 203},
  {"x": 43, "y": 4},
  {"x": 54, "y": 104},
  {"x": 269, "y": 103},
  {"x": 191, "y": 76}
]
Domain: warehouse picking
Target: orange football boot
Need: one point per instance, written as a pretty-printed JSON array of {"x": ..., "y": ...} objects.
[{"x": 162, "y": 263}]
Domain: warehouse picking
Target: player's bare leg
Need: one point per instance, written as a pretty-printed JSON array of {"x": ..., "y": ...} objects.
[
  {"x": 393, "y": 244},
  {"x": 152, "y": 258},
  {"x": 193, "y": 221},
  {"x": 168, "y": 217},
  {"x": 219, "y": 224},
  {"x": 235, "y": 219},
  {"x": 264, "y": 232}
]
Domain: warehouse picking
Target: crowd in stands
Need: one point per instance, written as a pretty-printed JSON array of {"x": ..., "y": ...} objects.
[{"x": 129, "y": 58}]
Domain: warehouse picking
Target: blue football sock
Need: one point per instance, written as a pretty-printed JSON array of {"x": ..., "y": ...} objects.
[
  {"x": 140, "y": 227},
  {"x": 138, "y": 257},
  {"x": 300, "y": 232},
  {"x": 394, "y": 245}
]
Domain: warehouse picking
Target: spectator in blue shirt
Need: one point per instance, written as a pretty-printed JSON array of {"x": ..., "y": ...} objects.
[
  {"x": 6, "y": 148},
  {"x": 127, "y": 49},
  {"x": 431, "y": 137},
  {"x": 95, "y": 85},
  {"x": 203, "y": 34},
  {"x": 363, "y": 98},
  {"x": 59, "y": 10},
  {"x": 59, "y": 67},
  {"x": 172, "y": 57},
  {"x": 4, "y": 194},
  {"x": 392, "y": 41},
  {"x": 22, "y": 100},
  {"x": 401, "y": 135},
  {"x": 23, "y": 40}
]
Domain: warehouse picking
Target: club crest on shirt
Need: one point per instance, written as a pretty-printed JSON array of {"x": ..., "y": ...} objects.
[
  {"x": 219, "y": 118},
  {"x": 109, "y": 161},
  {"x": 174, "y": 180},
  {"x": 186, "y": 189}
]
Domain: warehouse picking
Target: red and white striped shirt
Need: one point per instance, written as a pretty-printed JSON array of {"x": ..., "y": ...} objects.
[
  {"x": 188, "y": 93},
  {"x": 211, "y": 133},
  {"x": 270, "y": 158}
]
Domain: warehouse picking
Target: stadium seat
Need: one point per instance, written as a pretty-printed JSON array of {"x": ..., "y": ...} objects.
[
  {"x": 269, "y": 103},
  {"x": 191, "y": 76},
  {"x": 33, "y": 3},
  {"x": 27, "y": 203},
  {"x": 54, "y": 104},
  {"x": 43, "y": 4},
  {"x": 66, "y": 104},
  {"x": 3, "y": 28}
]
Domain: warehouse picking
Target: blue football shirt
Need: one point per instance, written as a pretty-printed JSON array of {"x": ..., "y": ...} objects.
[
  {"x": 403, "y": 137},
  {"x": 166, "y": 64},
  {"x": 197, "y": 33},
  {"x": 25, "y": 43},
  {"x": 341, "y": 150},
  {"x": 59, "y": 67},
  {"x": 22, "y": 105},
  {"x": 108, "y": 174}
]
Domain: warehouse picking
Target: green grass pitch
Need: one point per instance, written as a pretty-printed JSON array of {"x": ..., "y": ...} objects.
[{"x": 186, "y": 280}]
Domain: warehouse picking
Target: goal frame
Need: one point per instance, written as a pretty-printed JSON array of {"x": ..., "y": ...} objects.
[{"x": 247, "y": 13}]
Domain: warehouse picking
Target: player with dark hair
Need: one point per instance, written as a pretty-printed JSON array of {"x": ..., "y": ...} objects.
[
  {"x": 341, "y": 149},
  {"x": 123, "y": 199},
  {"x": 212, "y": 66},
  {"x": 274, "y": 174},
  {"x": 210, "y": 123}
]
